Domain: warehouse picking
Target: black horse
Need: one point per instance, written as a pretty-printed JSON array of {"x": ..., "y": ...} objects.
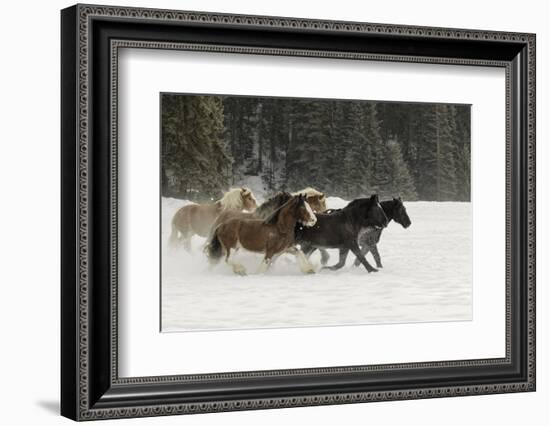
[
  {"x": 341, "y": 228},
  {"x": 370, "y": 237}
]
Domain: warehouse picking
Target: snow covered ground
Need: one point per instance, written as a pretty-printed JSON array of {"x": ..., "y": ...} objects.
[{"x": 427, "y": 276}]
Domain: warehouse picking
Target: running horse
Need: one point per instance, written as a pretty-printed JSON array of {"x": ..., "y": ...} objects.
[
  {"x": 370, "y": 237},
  {"x": 272, "y": 236},
  {"x": 197, "y": 219},
  {"x": 341, "y": 228}
]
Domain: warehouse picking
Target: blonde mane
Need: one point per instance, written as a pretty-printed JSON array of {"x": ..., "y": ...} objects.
[
  {"x": 308, "y": 192},
  {"x": 233, "y": 199}
]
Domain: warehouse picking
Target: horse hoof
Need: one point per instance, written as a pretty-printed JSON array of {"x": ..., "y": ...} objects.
[
  {"x": 240, "y": 271},
  {"x": 373, "y": 270},
  {"x": 309, "y": 271}
]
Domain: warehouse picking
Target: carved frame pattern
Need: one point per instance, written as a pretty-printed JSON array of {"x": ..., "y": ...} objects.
[{"x": 85, "y": 13}]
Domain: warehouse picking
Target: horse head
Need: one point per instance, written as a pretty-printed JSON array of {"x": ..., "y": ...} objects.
[
  {"x": 315, "y": 199},
  {"x": 295, "y": 210},
  {"x": 400, "y": 213},
  {"x": 304, "y": 213},
  {"x": 248, "y": 200},
  {"x": 317, "y": 202}
]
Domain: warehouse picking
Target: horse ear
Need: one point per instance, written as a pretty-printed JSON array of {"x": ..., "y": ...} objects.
[{"x": 374, "y": 198}]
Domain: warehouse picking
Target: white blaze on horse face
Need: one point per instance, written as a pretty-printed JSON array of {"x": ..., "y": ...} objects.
[{"x": 312, "y": 219}]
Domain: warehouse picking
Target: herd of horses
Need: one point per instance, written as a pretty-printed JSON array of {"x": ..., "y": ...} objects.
[{"x": 296, "y": 223}]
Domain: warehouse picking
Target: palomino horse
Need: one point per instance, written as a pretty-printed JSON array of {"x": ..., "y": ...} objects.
[
  {"x": 315, "y": 199},
  {"x": 272, "y": 236},
  {"x": 197, "y": 219}
]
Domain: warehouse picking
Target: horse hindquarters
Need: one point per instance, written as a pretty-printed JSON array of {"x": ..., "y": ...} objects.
[
  {"x": 214, "y": 249},
  {"x": 228, "y": 236}
]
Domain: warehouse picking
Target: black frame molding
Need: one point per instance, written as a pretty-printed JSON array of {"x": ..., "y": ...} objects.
[{"x": 90, "y": 38}]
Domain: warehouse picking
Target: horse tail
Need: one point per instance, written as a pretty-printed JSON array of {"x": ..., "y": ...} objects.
[{"x": 214, "y": 249}]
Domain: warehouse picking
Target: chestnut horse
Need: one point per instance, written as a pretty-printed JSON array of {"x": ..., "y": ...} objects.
[
  {"x": 197, "y": 219},
  {"x": 272, "y": 236},
  {"x": 314, "y": 198}
]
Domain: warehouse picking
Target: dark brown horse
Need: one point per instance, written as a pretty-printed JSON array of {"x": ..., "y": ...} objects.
[
  {"x": 272, "y": 236},
  {"x": 197, "y": 219}
]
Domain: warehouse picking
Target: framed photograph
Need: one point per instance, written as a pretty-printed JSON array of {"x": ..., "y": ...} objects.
[{"x": 263, "y": 212}]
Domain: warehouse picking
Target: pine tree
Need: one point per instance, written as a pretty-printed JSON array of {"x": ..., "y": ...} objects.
[
  {"x": 378, "y": 173},
  {"x": 359, "y": 131},
  {"x": 436, "y": 169},
  {"x": 311, "y": 138},
  {"x": 194, "y": 154},
  {"x": 463, "y": 155},
  {"x": 401, "y": 182}
]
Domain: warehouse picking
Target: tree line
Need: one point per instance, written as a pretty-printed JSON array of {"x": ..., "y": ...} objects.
[{"x": 345, "y": 148}]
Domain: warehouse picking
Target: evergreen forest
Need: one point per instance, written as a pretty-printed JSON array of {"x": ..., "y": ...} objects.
[{"x": 345, "y": 148}]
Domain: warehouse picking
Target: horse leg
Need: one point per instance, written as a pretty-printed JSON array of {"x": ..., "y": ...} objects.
[
  {"x": 186, "y": 238},
  {"x": 364, "y": 251},
  {"x": 174, "y": 239},
  {"x": 185, "y": 230},
  {"x": 324, "y": 256},
  {"x": 357, "y": 252},
  {"x": 307, "y": 249},
  {"x": 374, "y": 251},
  {"x": 305, "y": 265},
  {"x": 271, "y": 254},
  {"x": 341, "y": 262},
  {"x": 237, "y": 267},
  {"x": 264, "y": 266}
]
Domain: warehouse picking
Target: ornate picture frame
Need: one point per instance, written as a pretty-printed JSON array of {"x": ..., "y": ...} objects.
[{"x": 91, "y": 37}]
